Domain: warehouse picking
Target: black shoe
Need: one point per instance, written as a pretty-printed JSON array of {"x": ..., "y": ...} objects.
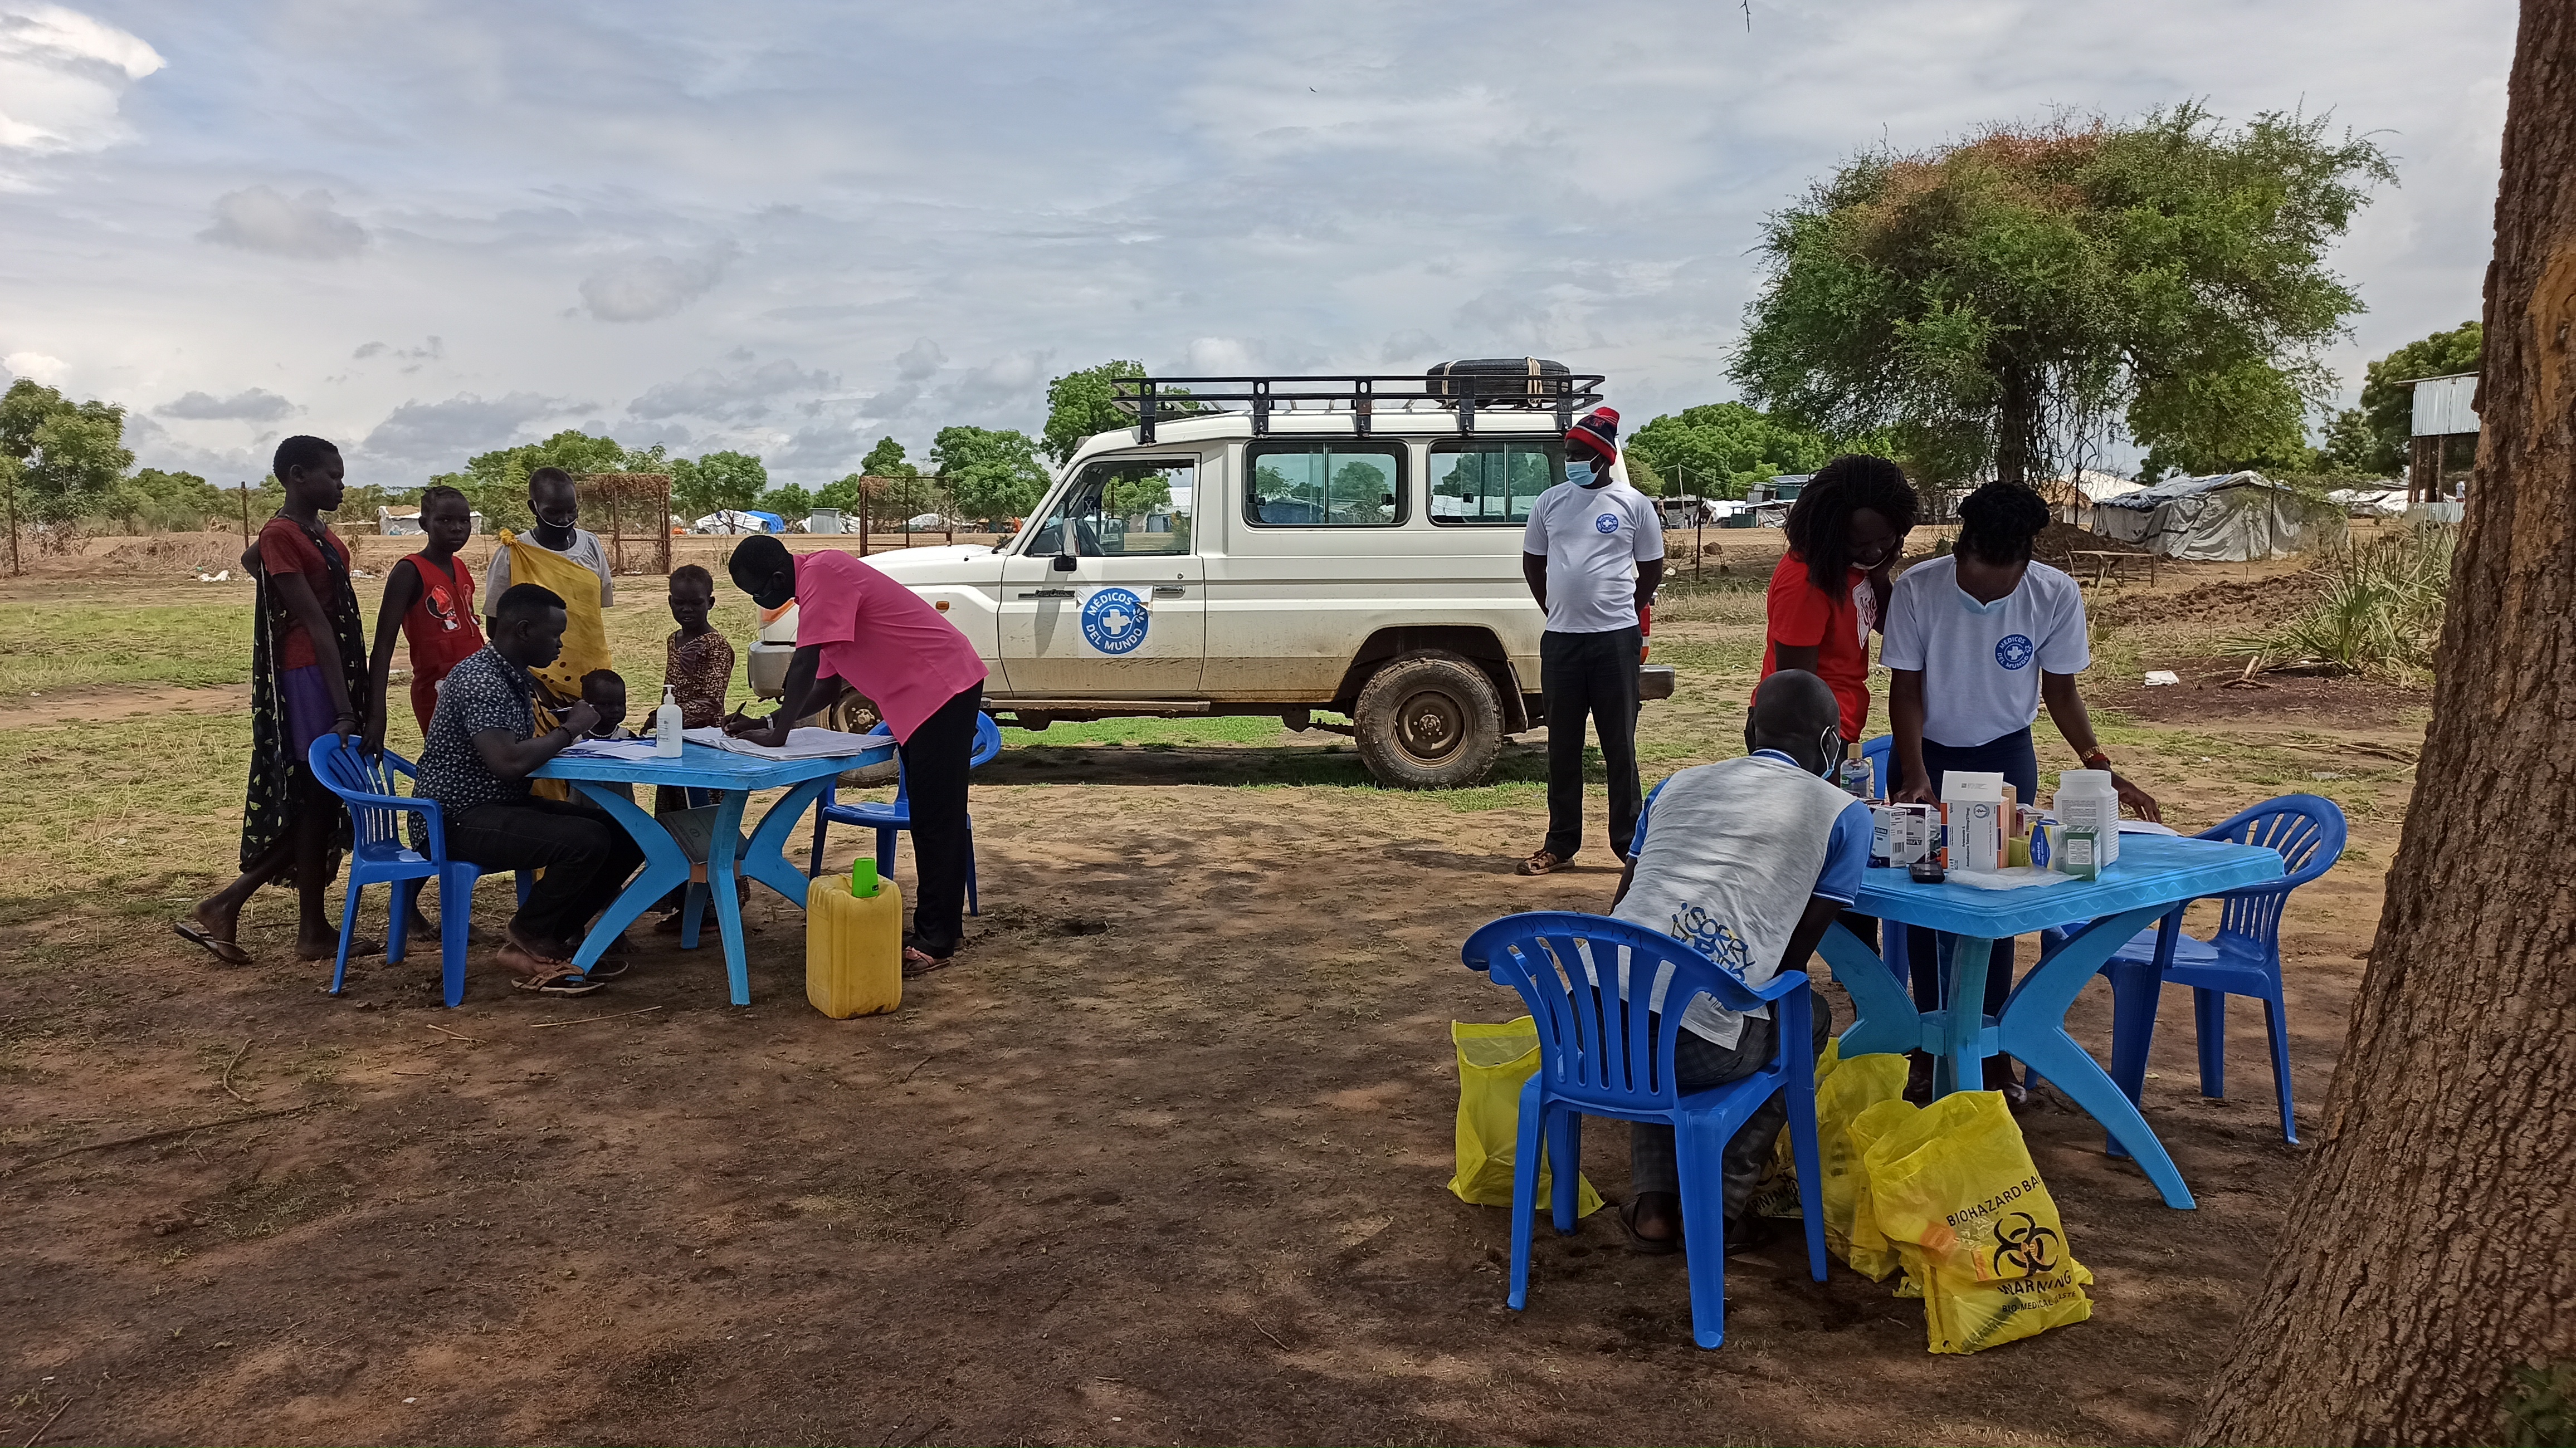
[{"x": 1918, "y": 1077}]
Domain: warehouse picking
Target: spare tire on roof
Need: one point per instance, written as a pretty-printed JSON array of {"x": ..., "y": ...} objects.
[{"x": 1498, "y": 381}]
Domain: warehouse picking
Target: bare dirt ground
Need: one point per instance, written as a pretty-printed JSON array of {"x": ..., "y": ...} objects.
[{"x": 1160, "y": 1160}]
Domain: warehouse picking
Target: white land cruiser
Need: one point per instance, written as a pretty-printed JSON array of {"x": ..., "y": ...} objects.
[{"x": 1288, "y": 545}]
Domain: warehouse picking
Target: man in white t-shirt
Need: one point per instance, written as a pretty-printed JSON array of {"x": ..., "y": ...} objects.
[
  {"x": 1593, "y": 555},
  {"x": 1975, "y": 642}
]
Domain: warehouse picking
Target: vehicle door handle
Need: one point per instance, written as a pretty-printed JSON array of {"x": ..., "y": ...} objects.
[
  {"x": 1048, "y": 593},
  {"x": 1166, "y": 590}
]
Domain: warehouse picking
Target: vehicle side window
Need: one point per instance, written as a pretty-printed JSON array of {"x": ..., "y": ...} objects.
[
  {"x": 1324, "y": 485},
  {"x": 1129, "y": 508},
  {"x": 1492, "y": 482}
]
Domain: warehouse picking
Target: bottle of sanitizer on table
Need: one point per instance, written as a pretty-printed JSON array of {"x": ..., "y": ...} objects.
[{"x": 666, "y": 726}]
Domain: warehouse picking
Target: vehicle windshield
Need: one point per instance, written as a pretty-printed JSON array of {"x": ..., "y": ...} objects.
[{"x": 1127, "y": 508}]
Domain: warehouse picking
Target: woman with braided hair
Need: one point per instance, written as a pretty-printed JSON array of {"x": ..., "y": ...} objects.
[
  {"x": 1831, "y": 588},
  {"x": 1976, "y": 642}
]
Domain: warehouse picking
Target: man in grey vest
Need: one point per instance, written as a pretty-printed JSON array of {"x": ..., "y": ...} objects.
[{"x": 1748, "y": 860}]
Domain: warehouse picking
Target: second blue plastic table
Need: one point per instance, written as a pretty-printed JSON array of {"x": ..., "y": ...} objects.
[{"x": 2155, "y": 873}]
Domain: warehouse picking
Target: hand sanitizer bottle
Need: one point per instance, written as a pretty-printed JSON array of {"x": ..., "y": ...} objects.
[{"x": 666, "y": 726}]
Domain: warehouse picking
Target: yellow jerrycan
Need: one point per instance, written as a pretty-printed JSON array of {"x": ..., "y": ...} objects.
[{"x": 853, "y": 943}]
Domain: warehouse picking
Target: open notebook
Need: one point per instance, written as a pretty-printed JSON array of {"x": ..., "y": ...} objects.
[{"x": 801, "y": 743}]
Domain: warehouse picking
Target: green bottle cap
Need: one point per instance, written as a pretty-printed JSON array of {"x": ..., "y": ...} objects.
[{"x": 863, "y": 877}]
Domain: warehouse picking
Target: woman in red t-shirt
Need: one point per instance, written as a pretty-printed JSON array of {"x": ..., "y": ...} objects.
[{"x": 1830, "y": 590}]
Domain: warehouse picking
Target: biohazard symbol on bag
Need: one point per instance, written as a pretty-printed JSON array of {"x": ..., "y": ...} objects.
[{"x": 2025, "y": 1246}]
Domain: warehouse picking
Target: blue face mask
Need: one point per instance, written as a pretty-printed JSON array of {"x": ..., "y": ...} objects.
[{"x": 1579, "y": 474}]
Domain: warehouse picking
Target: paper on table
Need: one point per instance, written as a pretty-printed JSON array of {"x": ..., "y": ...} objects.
[
  {"x": 2146, "y": 827},
  {"x": 2011, "y": 877},
  {"x": 801, "y": 743},
  {"x": 621, "y": 749}
]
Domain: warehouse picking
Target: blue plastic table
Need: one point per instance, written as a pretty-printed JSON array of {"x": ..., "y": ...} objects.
[
  {"x": 732, "y": 778},
  {"x": 2155, "y": 874}
]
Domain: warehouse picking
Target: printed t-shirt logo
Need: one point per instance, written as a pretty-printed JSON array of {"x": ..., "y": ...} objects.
[
  {"x": 2015, "y": 651},
  {"x": 1606, "y": 523},
  {"x": 441, "y": 607},
  {"x": 1114, "y": 621},
  {"x": 1703, "y": 932}
]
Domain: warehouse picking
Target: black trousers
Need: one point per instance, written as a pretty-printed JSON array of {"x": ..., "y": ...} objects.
[
  {"x": 1592, "y": 674},
  {"x": 587, "y": 857},
  {"x": 934, "y": 780}
]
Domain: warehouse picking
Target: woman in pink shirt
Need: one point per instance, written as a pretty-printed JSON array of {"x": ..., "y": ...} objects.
[{"x": 857, "y": 628}]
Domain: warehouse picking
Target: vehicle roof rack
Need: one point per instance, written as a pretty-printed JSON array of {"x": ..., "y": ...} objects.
[{"x": 1363, "y": 395}]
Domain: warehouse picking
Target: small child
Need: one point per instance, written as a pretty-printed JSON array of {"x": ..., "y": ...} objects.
[
  {"x": 605, "y": 691},
  {"x": 698, "y": 662},
  {"x": 698, "y": 665},
  {"x": 429, "y": 603}
]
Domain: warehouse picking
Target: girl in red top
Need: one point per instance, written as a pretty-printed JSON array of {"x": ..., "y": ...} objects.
[
  {"x": 1830, "y": 590},
  {"x": 429, "y": 598}
]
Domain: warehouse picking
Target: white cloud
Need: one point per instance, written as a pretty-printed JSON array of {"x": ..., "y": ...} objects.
[
  {"x": 641, "y": 288},
  {"x": 445, "y": 434},
  {"x": 919, "y": 360},
  {"x": 262, "y": 218},
  {"x": 258, "y": 404},
  {"x": 730, "y": 397},
  {"x": 36, "y": 367},
  {"x": 62, "y": 75}
]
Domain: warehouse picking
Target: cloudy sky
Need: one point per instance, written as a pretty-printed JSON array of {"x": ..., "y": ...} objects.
[{"x": 426, "y": 229}]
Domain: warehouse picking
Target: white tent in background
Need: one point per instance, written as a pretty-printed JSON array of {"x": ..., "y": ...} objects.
[
  {"x": 2226, "y": 518},
  {"x": 2371, "y": 500}
]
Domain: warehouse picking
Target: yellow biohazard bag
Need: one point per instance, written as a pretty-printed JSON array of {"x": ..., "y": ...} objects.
[
  {"x": 1954, "y": 1190},
  {"x": 1844, "y": 1089},
  {"x": 1866, "y": 1248},
  {"x": 1493, "y": 1061}
]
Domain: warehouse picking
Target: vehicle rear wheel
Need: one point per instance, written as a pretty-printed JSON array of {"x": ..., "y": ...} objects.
[{"x": 1428, "y": 720}]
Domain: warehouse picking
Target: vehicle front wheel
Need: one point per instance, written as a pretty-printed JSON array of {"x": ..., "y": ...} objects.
[{"x": 1428, "y": 720}]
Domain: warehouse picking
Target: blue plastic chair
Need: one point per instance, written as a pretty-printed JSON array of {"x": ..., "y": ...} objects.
[
  {"x": 2243, "y": 958},
  {"x": 1615, "y": 1062},
  {"x": 1881, "y": 753},
  {"x": 378, "y": 854},
  {"x": 887, "y": 819}
]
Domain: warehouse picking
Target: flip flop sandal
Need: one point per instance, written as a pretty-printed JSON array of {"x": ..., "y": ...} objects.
[
  {"x": 921, "y": 962},
  {"x": 1542, "y": 863},
  {"x": 223, "y": 950},
  {"x": 609, "y": 967},
  {"x": 567, "y": 982},
  {"x": 1643, "y": 1245}
]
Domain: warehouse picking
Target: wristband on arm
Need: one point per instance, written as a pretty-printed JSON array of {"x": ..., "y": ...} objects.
[{"x": 2094, "y": 758}]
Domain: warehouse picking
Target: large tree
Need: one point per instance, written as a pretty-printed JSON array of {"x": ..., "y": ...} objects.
[
  {"x": 69, "y": 456},
  {"x": 886, "y": 460},
  {"x": 1082, "y": 404},
  {"x": 989, "y": 473},
  {"x": 2428, "y": 1266},
  {"x": 718, "y": 481},
  {"x": 2003, "y": 301},
  {"x": 496, "y": 482}
]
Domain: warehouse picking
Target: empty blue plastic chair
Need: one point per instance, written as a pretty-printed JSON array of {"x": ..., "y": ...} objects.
[
  {"x": 1600, "y": 1055},
  {"x": 2243, "y": 958},
  {"x": 887, "y": 819},
  {"x": 1881, "y": 753},
  {"x": 378, "y": 854}
]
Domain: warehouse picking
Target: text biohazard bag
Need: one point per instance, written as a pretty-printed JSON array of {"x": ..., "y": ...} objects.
[
  {"x": 1954, "y": 1191},
  {"x": 1493, "y": 1061}
]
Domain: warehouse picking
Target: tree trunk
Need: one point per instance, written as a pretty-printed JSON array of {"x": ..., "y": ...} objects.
[
  {"x": 2017, "y": 425},
  {"x": 2430, "y": 1250}
]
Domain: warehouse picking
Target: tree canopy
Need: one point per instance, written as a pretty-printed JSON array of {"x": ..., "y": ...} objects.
[
  {"x": 718, "y": 481},
  {"x": 2372, "y": 439},
  {"x": 496, "y": 482},
  {"x": 64, "y": 458},
  {"x": 886, "y": 460},
  {"x": 1720, "y": 449},
  {"x": 1080, "y": 405},
  {"x": 990, "y": 473},
  {"x": 1999, "y": 302}
]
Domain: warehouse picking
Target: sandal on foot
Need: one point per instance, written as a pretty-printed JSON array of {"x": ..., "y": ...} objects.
[
  {"x": 565, "y": 982},
  {"x": 919, "y": 962},
  {"x": 1639, "y": 1243},
  {"x": 221, "y": 949},
  {"x": 1542, "y": 863},
  {"x": 608, "y": 967}
]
